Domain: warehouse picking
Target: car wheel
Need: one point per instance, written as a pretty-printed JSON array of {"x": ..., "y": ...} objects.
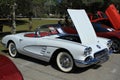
[
  {"x": 115, "y": 46},
  {"x": 12, "y": 49},
  {"x": 65, "y": 62}
]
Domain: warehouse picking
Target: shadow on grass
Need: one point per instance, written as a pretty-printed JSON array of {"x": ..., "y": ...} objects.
[
  {"x": 9, "y": 22},
  {"x": 2, "y": 34}
]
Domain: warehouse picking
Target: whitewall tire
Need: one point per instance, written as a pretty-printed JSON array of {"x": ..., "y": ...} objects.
[
  {"x": 12, "y": 49},
  {"x": 65, "y": 62}
]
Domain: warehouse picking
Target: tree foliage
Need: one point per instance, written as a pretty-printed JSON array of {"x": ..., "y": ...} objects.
[
  {"x": 38, "y": 8},
  {"x": 5, "y": 7},
  {"x": 23, "y": 7}
]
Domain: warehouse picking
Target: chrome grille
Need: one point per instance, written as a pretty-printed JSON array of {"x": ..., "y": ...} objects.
[{"x": 101, "y": 54}]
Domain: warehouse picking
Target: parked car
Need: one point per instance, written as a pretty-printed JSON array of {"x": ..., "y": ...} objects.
[
  {"x": 111, "y": 17},
  {"x": 107, "y": 25},
  {"x": 67, "y": 50},
  {"x": 107, "y": 32},
  {"x": 8, "y": 70}
]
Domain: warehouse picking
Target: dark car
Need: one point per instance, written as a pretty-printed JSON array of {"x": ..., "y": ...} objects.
[{"x": 8, "y": 70}]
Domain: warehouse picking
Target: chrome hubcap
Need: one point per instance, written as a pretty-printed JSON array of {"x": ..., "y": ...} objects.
[
  {"x": 13, "y": 49},
  {"x": 65, "y": 61}
]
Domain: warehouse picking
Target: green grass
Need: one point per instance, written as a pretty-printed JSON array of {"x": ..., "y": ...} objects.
[
  {"x": 1, "y": 47},
  {"x": 24, "y": 27}
]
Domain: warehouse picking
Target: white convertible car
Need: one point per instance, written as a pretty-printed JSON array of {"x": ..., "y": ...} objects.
[{"x": 66, "y": 50}]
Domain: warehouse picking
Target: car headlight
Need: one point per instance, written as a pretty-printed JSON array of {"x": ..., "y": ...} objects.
[
  {"x": 87, "y": 51},
  {"x": 109, "y": 44}
]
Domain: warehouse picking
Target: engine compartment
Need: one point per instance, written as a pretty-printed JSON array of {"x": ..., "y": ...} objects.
[{"x": 71, "y": 37}]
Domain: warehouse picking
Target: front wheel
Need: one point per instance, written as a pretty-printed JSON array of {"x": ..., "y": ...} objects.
[
  {"x": 115, "y": 45},
  {"x": 12, "y": 49},
  {"x": 65, "y": 62}
]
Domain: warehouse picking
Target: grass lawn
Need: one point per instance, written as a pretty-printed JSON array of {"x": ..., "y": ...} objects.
[
  {"x": 1, "y": 47},
  {"x": 25, "y": 24},
  {"x": 24, "y": 27}
]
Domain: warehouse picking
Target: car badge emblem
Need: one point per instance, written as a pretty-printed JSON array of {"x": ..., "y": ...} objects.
[{"x": 98, "y": 46}]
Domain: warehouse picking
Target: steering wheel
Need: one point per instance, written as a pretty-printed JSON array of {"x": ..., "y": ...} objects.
[{"x": 37, "y": 32}]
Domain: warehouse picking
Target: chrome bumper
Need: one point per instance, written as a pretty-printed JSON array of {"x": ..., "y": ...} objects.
[{"x": 100, "y": 57}]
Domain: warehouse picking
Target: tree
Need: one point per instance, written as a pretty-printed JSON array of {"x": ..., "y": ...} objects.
[
  {"x": 5, "y": 7},
  {"x": 8, "y": 8},
  {"x": 38, "y": 7},
  {"x": 24, "y": 7},
  {"x": 63, "y": 5}
]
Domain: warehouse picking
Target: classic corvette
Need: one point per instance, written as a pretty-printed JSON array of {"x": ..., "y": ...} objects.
[
  {"x": 8, "y": 70},
  {"x": 66, "y": 50}
]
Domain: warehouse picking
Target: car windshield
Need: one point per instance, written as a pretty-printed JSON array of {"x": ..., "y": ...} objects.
[
  {"x": 42, "y": 31},
  {"x": 52, "y": 29}
]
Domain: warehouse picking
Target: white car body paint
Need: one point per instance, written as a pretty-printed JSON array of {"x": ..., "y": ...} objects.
[
  {"x": 83, "y": 26},
  {"x": 43, "y": 48}
]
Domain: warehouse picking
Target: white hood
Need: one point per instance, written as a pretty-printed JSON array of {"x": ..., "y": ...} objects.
[{"x": 83, "y": 26}]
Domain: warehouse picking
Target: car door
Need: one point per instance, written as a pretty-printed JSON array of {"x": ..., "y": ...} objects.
[{"x": 32, "y": 46}]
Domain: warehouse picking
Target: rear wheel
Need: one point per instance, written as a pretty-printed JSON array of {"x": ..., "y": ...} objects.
[
  {"x": 12, "y": 49},
  {"x": 65, "y": 62}
]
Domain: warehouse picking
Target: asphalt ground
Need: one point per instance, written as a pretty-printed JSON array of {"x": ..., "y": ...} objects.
[{"x": 33, "y": 69}]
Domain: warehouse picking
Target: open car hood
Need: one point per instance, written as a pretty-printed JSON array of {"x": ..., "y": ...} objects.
[
  {"x": 113, "y": 16},
  {"x": 83, "y": 26}
]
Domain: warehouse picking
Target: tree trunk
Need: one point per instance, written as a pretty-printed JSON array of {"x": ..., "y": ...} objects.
[
  {"x": 13, "y": 31},
  {"x": 30, "y": 23}
]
